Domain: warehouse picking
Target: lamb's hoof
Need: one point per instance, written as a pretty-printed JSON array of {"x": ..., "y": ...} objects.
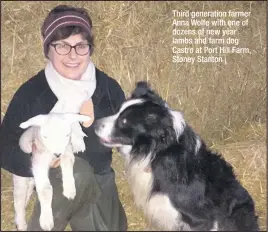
[
  {"x": 69, "y": 191},
  {"x": 78, "y": 147},
  {"x": 21, "y": 227},
  {"x": 46, "y": 222}
]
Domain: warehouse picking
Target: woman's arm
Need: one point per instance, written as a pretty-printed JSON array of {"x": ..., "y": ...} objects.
[{"x": 13, "y": 159}]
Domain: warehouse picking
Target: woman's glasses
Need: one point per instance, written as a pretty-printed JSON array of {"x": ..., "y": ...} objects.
[{"x": 65, "y": 49}]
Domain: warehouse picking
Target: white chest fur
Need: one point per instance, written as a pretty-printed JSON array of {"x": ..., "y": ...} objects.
[{"x": 158, "y": 207}]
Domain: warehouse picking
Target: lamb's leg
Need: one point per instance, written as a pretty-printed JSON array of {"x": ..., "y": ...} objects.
[
  {"x": 30, "y": 189},
  {"x": 21, "y": 188},
  {"x": 77, "y": 140},
  {"x": 26, "y": 140},
  {"x": 44, "y": 189},
  {"x": 67, "y": 163}
]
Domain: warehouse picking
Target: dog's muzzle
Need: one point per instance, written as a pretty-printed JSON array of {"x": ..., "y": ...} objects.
[{"x": 98, "y": 125}]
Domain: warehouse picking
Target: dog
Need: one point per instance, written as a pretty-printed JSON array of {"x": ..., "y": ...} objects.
[{"x": 178, "y": 182}]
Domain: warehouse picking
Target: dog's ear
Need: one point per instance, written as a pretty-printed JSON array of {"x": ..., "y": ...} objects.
[{"x": 143, "y": 90}]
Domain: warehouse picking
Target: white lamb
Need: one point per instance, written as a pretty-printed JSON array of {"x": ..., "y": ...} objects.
[{"x": 55, "y": 135}]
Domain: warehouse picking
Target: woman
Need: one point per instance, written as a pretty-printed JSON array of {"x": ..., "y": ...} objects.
[{"x": 69, "y": 83}]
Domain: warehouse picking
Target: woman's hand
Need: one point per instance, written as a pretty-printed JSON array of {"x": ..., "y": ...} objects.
[
  {"x": 88, "y": 109},
  {"x": 55, "y": 163}
]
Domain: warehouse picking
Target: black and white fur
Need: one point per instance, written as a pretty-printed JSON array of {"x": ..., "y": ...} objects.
[{"x": 188, "y": 187}]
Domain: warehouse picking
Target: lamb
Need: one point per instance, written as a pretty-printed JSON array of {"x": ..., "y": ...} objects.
[{"x": 54, "y": 135}]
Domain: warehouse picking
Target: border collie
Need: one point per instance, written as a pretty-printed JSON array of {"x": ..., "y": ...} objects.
[{"x": 178, "y": 182}]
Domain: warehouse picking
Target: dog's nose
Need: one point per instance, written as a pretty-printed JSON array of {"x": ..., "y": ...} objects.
[{"x": 57, "y": 155}]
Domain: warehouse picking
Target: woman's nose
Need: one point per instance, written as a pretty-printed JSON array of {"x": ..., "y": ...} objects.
[{"x": 72, "y": 53}]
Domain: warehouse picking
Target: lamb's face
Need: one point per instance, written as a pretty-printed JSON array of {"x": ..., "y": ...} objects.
[
  {"x": 55, "y": 135},
  {"x": 55, "y": 129}
]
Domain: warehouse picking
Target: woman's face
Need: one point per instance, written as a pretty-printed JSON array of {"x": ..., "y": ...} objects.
[{"x": 70, "y": 66}]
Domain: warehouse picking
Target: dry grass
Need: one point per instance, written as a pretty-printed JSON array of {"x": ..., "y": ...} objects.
[
  {"x": 249, "y": 162},
  {"x": 224, "y": 103}
]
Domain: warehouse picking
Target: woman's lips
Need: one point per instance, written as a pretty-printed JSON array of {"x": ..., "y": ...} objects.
[{"x": 71, "y": 65}]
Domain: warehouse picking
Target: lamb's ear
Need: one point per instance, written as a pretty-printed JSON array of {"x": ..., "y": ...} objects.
[
  {"x": 34, "y": 121},
  {"x": 76, "y": 118}
]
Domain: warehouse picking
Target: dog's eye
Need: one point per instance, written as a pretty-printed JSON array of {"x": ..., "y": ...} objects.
[
  {"x": 45, "y": 137},
  {"x": 67, "y": 135},
  {"x": 122, "y": 122}
]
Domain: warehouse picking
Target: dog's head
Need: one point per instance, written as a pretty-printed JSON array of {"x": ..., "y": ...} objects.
[{"x": 144, "y": 121}]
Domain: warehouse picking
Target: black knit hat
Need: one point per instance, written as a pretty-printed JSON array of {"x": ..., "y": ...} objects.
[{"x": 62, "y": 19}]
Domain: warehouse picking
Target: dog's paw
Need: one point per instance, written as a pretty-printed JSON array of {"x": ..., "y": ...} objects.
[
  {"x": 46, "y": 221},
  {"x": 69, "y": 191}
]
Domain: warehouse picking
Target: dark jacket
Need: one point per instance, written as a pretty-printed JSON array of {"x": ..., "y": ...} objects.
[{"x": 35, "y": 97}]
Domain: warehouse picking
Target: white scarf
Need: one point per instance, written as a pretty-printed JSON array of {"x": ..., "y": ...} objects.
[{"x": 71, "y": 94}]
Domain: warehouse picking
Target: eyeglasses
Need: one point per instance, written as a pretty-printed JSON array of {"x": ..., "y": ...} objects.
[{"x": 65, "y": 49}]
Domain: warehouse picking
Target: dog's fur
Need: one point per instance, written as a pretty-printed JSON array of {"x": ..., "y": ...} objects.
[
  {"x": 53, "y": 137},
  {"x": 178, "y": 182}
]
